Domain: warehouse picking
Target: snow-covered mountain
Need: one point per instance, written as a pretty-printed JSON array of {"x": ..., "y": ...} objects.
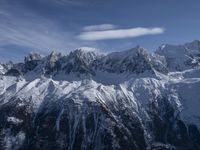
[
  {"x": 5, "y": 67},
  {"x": 132, "y": 100},
  {"x": 181, "y": 57}
]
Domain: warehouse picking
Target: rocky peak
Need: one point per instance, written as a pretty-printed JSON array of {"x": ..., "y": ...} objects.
[
  {"x": 2, "y": 69},
  {"x": 53, "y": 57},
  {"x": 31, "y": 61},
  {"x": 194, "y": 45},
  {"x": 137, "y": 51},
  {"x": 32, "y": 57},
  {"x": 52, "y": 62},
  {"x": 80, "y": 60},
  {"x": 5, "y": 67},
  {"x": 180, "y": 57},
  {"x": 135, "y": 60},
  {"x": 85, "y": 54}
]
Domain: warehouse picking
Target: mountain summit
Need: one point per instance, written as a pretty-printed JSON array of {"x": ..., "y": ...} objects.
[{"x": 181, "y": 57}]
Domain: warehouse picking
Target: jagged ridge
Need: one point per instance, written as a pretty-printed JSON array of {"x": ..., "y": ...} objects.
[{"x": 146, "y": 107}]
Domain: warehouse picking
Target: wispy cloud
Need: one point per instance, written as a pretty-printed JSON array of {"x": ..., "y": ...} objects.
[
  {"x": 34, "y": 32},
  {"x": 23, "y": 30},
  {"x": 99, "y": 27},
  {"x": 119, "y": 33},
  {"x": 73, "y": 2}
]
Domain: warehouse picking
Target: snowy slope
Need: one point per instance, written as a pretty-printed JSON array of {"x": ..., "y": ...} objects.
[
  {"x": 2, "y": 70},
  {"x": 86, "y": 100}
]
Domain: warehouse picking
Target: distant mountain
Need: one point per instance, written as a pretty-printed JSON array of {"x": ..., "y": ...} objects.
[
  {"x": 129, "y": 100},
  {"x": 87, "y": 61},
  {"x": 181, "y": 57}
]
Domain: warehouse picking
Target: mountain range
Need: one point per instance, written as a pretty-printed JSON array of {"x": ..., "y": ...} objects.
[{"x": 86, "y": 100}]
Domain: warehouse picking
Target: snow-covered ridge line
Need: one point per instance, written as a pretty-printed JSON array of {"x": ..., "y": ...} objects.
[
  {"x": 123, "y": 100},
  {"x": 181, "y": 57},
  {"x": 88, "y": 61}
]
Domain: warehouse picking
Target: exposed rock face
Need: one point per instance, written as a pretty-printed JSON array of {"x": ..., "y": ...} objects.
[
  {"x": 31, "y": 61},
  {"x": 181, "y": 57},
  {"x": 5, "y": 67},
  {"x": 2, "y": 69},
  {"x": 67, "y": 103},
  {"x": 89, "y": 62},
  {"x": 53, "y": 64},
  {"x": 79, "y": 61},
  {"x": 135, "y": 60}
]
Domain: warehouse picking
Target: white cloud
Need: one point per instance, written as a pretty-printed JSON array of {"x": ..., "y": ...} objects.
[
  {"x": 27, "y": 32},
  {"x": 119, "y": 33},
  {"x": 70, "y": 3},
  {"x": 2, "y": 13},
  {"x": 21, "y": 34},
  {"x": 99, "y": 27}
]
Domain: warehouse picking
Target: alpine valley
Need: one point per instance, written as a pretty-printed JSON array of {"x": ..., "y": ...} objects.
[{"x": 127, "y": 100}]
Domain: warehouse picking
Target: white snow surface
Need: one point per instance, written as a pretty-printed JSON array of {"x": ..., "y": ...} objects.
[
  {"x": 2, "y": 69},
  {"x": 125, "y": 88},
  {"x": 181, "y": 89}
]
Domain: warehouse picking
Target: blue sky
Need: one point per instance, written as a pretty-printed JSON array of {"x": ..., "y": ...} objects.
[{"x": 108, "y": 25}]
